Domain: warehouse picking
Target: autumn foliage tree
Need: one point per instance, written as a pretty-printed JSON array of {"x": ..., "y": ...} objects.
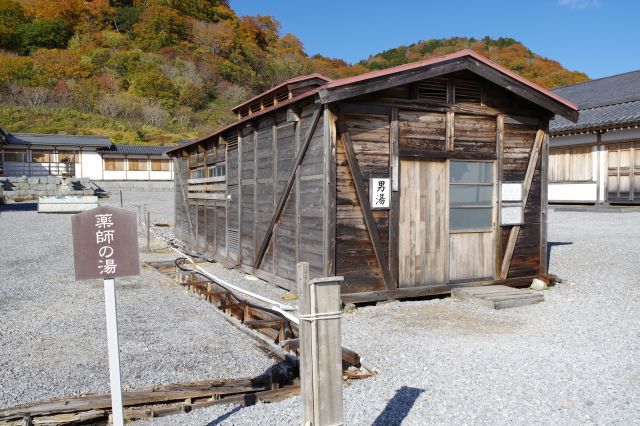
[{"x": 177, "y": 66}]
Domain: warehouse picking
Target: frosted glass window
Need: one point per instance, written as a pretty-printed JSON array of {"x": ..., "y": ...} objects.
[
  {"x": 470, "y": 195},
  {"x": 471, "y": 172},
  {"x": 470, "y": 218}
]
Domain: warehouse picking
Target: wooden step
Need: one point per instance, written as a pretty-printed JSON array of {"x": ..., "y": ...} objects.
[{"x": 498, "y": 296}]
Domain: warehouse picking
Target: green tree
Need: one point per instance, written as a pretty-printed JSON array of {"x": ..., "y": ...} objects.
[
  {"x": 153, "y": 84},
  {"x": 12, "y": 16},
  {"x": 47, "y": 33},
  {"x": 160, "y": 26}
]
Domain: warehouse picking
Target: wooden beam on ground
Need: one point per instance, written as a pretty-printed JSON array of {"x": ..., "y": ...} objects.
[
  {"x": 363, "y": 199},
  {"x": 526, "y": 187},
  {"x": 287, "y": 189}
]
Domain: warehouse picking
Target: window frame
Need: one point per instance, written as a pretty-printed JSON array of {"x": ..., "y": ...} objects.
[
  {"x": 49, "y": 155},
  {"x": 21, "y": 153},
  {"x": 219, "y": 169},
  {"x": 137, "y": 162},
  {"x": 115, "y": 161},
  {"x": 489, "y": 206},
  {"x": 159, "y": 162},
  {"x": 199, "y": 170}
]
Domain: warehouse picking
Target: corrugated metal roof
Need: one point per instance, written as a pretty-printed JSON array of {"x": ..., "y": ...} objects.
[
  {"x": 57, "y": 140},
  {"x": 136, "y": 149},
  {"x": 603, "y": 103}
]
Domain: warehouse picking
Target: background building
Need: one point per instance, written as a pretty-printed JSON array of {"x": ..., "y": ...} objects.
[
  {"x": 82, "y": 156},
  {"x": 597, "y": 159}
]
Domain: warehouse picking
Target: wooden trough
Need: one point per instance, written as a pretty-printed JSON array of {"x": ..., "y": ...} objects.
[{"x": 408, "y": 182}]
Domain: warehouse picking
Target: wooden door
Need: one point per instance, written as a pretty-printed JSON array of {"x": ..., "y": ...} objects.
[{"x": 423, "y": 229}]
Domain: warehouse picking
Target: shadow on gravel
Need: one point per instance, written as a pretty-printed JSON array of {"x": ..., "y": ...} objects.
[
  {"x": 19, "y": 207},
  {"x": 552, "y": 244},
  {"x": 398, "y": 407},
  {"x": 225, "y": 416}
]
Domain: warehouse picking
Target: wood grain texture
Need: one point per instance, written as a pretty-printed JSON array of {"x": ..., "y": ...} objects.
[
  {"x": 363, "y": 199},
  {"x": 422, "y": 227},
  {"x": 526, "y": 185},
  {"x": 471, "y": 256}
]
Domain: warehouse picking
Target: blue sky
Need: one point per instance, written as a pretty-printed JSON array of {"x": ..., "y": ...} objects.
[{"x": 599, "y": 37}]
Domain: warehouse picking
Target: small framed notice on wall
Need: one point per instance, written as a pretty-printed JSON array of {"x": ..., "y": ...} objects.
[
  {"x": 380, "y": 193},
  {"x": 511, "y": 215},
  {"x": 511, "y": 191}
]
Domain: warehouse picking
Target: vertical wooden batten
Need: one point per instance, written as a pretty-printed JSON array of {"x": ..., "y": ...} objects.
[
  {"x": 329, "y": 216},
  {"x": 498, "y": 180},
  {"x": 450, "y": 129},
  {"x": 544, "y": 202},
  {"x": 394, "y": 212},
  {"x": 239, "y": 195}
]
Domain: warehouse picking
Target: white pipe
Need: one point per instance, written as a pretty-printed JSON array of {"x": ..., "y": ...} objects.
[{"x": 276, "y": 306}]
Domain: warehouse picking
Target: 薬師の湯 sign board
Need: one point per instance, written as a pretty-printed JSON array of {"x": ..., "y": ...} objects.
[
  {"x": 105, "y": 243},
  {"x": 379, "y": 193}
]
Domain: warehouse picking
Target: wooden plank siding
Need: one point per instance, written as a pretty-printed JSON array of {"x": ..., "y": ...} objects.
[{"x": 517, "y": 144}]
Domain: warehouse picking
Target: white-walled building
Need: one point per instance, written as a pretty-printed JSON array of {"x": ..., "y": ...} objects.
[
  {"x": 597, "y": 159},
  {"x": 94, "y": 157}
]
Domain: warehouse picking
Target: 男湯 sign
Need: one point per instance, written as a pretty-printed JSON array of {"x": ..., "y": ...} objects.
[{"x": 379, "y": 193}]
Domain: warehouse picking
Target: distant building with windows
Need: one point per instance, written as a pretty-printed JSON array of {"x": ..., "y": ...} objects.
[
  {"x": 597, "y": 159},
  {"x": 83, "y": 156}
]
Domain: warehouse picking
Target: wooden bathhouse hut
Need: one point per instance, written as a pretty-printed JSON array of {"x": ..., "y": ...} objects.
[{"x": 407, "y": 181}]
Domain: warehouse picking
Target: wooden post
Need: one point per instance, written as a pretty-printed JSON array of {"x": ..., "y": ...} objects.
[
  {"x": 320, "y": 348},
  {"x": 114, "y": 352},
  {"x": 148, "y": 231}
]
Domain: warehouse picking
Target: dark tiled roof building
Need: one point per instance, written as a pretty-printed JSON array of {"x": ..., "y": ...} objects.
[{"x": 597, "y": 159}]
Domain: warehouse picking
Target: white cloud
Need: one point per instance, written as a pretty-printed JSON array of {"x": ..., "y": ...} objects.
[{"x": 580, "y": 4}]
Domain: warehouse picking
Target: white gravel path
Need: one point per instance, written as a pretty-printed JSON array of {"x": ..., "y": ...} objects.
[
  {"x": 52, "y": 331},
  {"x": 571, "y": 360}
]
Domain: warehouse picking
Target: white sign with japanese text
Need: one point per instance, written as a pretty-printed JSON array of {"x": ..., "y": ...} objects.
[{"x": 380, "y": 193}]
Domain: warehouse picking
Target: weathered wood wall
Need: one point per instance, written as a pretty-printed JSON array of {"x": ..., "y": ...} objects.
[
  {"x": 355, "y": 257},
  {"x": 518, "y": 141},
  {"x": 231, "y": 225}
]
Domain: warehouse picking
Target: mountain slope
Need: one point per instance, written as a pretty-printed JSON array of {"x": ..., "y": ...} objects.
[
  {"x": 156, "y": 71},
  {"x": 505, "y": 51}
]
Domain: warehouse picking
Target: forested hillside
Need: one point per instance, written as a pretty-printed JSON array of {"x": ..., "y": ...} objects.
[
  {"x": 505, "y": 51},
  {"x": 156, "y": 71}
]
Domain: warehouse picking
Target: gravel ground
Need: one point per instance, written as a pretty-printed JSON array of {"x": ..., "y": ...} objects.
[
  {"x": 52, "y": 331},
  {"x": 571, "y": 360}
]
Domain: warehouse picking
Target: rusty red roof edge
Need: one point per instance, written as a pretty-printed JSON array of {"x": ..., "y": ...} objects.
[
  {"x": 460, "y": 54},
  {"x": 247, "y": 118},
  {"x": 280, "y": 86}
]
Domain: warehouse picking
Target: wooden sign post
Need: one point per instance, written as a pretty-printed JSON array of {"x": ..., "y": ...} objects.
[
  {"x": 105, "y": 245},
  {"x": 320, "y": 348}
]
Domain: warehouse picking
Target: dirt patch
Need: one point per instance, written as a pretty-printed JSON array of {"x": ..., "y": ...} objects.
[{"x": 454, "y": 317}]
